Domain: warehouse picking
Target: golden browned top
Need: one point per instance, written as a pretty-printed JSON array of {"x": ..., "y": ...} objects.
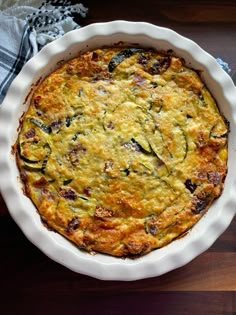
[{"x": 122, "y": 150}]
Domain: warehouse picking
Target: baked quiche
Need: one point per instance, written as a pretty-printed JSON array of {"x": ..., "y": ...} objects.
[{"x": 122, "y": 150}]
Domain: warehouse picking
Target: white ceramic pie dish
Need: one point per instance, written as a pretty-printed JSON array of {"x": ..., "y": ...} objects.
[{"x": 160, "y": 261}]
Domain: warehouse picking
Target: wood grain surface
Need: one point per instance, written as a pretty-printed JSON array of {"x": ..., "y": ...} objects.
[{"x": 31, "y": 283}]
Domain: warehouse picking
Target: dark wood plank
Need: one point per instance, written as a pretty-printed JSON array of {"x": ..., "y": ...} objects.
[
  {"x": 127, "y": 303},
  {"x": 227, "y": 241},
  {"x": 3, "y": 207},
  {"x": 21, "y": 260}
]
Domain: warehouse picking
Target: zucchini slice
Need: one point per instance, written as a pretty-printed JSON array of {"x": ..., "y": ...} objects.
[
  {"x": 121, "y": 56},
  {"x": 218, "y": 130},
  {"x": 179, "y": 145},
  {"x": 156, "y": 142},
  {"x": 68, "y": 121},
  {"x": 142, "y": 144},
  {"x": 67, "y": 181},
  {"x": 34, "y": 154},
  {"x": 20, "y": 148},
  {"x": 75, "y": 136},
  {"x": 43, "y": 127},
  {"x": 45, "y": 160}
]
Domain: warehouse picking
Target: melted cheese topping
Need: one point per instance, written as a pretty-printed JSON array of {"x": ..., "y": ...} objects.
[{"x": 122, "y": 150}]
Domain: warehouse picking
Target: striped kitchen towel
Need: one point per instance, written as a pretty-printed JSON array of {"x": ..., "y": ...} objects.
[{"x": 25, "y": 27}]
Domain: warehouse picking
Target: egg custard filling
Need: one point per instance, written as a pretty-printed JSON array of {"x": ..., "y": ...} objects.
[{"x": 122, "y": 150}]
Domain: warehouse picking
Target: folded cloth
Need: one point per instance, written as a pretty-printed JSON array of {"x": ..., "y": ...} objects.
[
  {"x": 223, "y": 64},
  {"x": 25, "y": 27}
]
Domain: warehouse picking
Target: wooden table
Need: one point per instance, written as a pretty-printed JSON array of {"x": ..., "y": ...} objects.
[{"x": 31, "y": 283}]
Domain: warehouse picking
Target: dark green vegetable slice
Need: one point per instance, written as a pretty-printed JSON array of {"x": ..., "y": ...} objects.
[
  {"x": 121, "y": 56},
  {"x": 142, "y": 147},
  {"x": 218, "y": 131},
  {"x": 156, "y": 144},
  {"x": 45, "y": 160},
  {"x": 36, "y": 149},
  {"x": 24, "y": 158},
  {"x": 76, "y": 135},
  {"x": 68, "y": 121},
  {"x": 32, "y": 168},
  {"x": 67, "y": 181},
  {"x": 42, "y": 126},
  {"x": 83, "y": 198},
  {"x": 126, "y": 171},
  {"x": 176, "y": 149}
]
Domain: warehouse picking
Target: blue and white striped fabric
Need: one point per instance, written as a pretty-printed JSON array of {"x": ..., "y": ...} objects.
[
  {"x": 25, "y": 29},
  {"x": 16, "y": 47}
]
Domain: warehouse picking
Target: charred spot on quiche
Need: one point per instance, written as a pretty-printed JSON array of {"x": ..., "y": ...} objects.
[{"x": 122, "y": 150}]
